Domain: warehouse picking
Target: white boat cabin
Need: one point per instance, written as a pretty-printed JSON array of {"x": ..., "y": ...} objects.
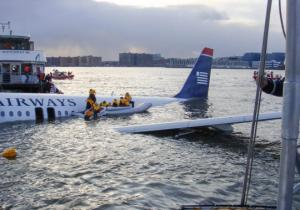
[{"x": 21, "y": 67}]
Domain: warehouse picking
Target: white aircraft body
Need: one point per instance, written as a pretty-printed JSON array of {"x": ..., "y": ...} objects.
[{"x": 32, "y": 106}]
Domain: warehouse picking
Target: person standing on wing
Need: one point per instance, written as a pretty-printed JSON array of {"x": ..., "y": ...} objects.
[{"x": 91, "y": 106}]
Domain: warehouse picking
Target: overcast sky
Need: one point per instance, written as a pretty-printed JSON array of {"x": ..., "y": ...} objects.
[{"x": 173, "y": 28}]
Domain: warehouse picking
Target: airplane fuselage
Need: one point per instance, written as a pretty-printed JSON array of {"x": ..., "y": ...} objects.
[{"x": 39, "y": 107}]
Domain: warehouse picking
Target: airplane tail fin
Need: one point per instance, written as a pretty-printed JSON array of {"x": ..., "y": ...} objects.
[{"x": 197, "y": 83}]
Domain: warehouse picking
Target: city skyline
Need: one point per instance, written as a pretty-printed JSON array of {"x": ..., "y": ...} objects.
[
  {"x": 178, "y": 29},
  {"x": 248, "y": 60}
]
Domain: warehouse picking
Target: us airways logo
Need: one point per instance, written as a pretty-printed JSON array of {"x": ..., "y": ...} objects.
[
  {"x": 202, "y": 78},
  {"x": 36, "y": 102}
]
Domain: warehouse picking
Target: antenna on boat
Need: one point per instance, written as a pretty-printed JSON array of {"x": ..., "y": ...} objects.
[{"x": 3, "y": 25}]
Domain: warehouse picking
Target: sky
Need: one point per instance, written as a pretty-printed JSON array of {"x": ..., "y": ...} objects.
[{"x": 173, "y": 28}]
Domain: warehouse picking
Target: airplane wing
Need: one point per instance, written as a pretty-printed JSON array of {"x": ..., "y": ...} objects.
[{"x": 217, "y": 122}]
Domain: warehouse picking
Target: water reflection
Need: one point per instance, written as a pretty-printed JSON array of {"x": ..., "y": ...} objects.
[{"x": 196, "y": 108}]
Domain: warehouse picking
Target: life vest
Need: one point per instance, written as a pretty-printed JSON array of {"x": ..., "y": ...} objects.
[
  {"x": 122, "y": 102},
  {"x": 115, "y": 103},
  {"x": 104, "y": 104},
  {"x": 97, "y": 107},
  {"x": 128, "y": 97},
  {"x": 90, "y": 101},
  {"x": 42, "y": 76},
  {"x": 88, "y": 113},
  {"x": 126, "y": 102},
  {"x": 27, "y": 69}
]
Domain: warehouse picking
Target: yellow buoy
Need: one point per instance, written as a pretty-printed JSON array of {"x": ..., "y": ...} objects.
[{"x": 9, "y": 153}]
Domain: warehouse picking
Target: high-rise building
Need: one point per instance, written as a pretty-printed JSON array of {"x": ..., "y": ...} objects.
[
  {"x": 137, "y": 59},
  {"x": 74, "y": 61}
]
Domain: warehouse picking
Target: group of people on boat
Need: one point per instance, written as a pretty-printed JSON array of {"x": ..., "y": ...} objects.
[
  {"x": 271, "y": 86},
  {"x": 93, "y": 108},
  {"x": 46, "y": 83},
  {"x": 61, "y": 75},
  {"x": 269, "y": 75}
]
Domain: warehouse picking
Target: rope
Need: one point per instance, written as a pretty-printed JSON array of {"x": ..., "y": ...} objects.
[
  {"x": 249, "y": 166},
  {"x": 281, "y": 19}
]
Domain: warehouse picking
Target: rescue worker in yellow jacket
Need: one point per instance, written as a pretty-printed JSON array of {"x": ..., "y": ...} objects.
[
  {"x": 92, "y": 108},
  {"x": 129, "y": 99},
  {"x": 115, "y": 103},
  {"x": 104, "y": 104},
  {"x": 123, "y": 102}
]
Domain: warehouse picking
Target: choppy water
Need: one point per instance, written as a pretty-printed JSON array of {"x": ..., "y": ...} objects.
[{"x": 73, "y": 164}]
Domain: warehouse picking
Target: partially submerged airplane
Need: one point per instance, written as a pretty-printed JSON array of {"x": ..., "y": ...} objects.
[{"x": 40, "y": 107}]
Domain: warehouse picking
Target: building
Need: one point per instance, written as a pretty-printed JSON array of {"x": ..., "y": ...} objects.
[
  {"x": 180, "y": 62},
  {"x": 269, "y": 64},
  {"x": 272, "y": 58},
  {"x": 139, "y": 59},
  {"x": 276, "y": 56},
  {"x": 250, "y": 57},
  {"x": 53, "y": 61},
  {"x": 75, "y": 61},
  {"x": 233, "y": 62}
]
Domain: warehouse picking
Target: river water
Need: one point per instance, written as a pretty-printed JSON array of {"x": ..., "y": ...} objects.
[{"x": 73, "y": 164}]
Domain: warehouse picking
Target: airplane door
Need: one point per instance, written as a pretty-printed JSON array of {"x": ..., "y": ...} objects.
[
  {"x": 39, "y": 115},
  {"x": 51, "y": 114}
]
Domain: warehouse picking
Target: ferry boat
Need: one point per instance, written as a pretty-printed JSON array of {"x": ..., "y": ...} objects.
[{"x": 22, "y": 68}]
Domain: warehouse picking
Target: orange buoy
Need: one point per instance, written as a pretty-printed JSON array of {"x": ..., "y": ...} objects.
[{"x": 9, "y": 153}]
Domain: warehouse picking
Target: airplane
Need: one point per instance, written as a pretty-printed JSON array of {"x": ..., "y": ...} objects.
[{"x": 40, "y": 107}]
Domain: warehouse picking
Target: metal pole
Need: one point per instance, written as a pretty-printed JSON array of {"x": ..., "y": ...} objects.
[{"x": 291, "y": 106}]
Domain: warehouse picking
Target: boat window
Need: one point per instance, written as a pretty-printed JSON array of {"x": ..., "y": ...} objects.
[
  {"x": 27, "y": 113},
  {"x": 26, "y": 69},
  {"x": 15, "y": 69},
  {"x": 40, "y": 69},
  {"x": 14, "y": 44},
  {"x": 11, "y": 113},
  {"x": 6, "y": 44},
  {"x": 66, "y": 113},
  {"x": 31, "y": 45},
  {"x": 59, "y": 113},
  {"x": 6, "y": 68},
  {"x": 2, "y": 114},
  {"x": 19, "y": 114}
]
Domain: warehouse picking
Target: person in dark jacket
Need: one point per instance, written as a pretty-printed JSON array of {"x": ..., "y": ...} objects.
[{"x": 274, "y": 87}]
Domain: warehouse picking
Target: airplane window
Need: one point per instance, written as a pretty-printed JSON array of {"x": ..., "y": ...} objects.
[
  {"x": 19, "y": 113},
  {"x": 2, "y": 114},
  {"x": 66, "y": 113},
  {"x": 11, "y": 113},
  {"x": 27, "y": 113},
  {"x": 59, "y": 113}
]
